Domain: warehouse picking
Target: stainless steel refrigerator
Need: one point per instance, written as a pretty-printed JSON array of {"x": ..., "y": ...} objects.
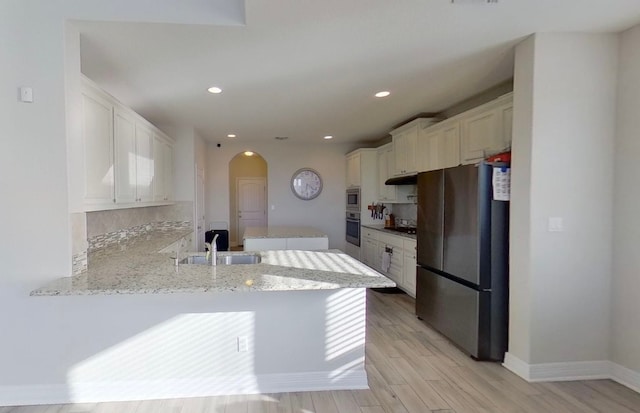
[{"x": 463, "y": 257}]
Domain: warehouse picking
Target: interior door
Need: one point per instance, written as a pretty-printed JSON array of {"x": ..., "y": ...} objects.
[
  {"x": 199, "y": 212},
  {"x": 252, "y": 204}
]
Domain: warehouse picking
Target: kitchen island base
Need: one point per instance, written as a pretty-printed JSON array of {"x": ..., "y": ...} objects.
[{"x": 156, "y": 346}]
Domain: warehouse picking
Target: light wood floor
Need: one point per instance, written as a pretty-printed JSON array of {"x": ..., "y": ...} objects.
[{"x": 411, "y": 368}]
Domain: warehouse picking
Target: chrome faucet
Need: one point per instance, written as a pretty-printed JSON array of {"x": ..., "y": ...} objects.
[
  {"x": 179, "y": 248},
  {"x": 212, "y": 250}
]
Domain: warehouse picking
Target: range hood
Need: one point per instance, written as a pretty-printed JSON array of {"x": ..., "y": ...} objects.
[{"x": 402, "y": 180}]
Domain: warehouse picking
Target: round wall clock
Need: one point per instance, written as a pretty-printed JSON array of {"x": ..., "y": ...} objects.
[{"x": 306, "y": 184}]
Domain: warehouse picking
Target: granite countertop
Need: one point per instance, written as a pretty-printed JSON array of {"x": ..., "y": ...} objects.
[
  {"x": 283, "y": 232},
  {"x": 136, "y": 267},
  {"x": 391, "y": 231}
]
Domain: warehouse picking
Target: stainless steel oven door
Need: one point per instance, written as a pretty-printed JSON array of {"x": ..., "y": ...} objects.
[{"x": 353, "y": 228}]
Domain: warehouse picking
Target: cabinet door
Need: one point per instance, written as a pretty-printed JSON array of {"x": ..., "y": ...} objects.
[
  {"x": 405, "y": 145},
  {"x": 411, "y": 147},
  {"x": 450, "y": 144},
  {"x": 385, "y": 171},
  {"x": 506, "y": 118},
  {"x": 159, "y": 169},
  {"x": 369, "y": 252},
  {"x": 382, "y": 174},
  {"x": 353, "y": 170},
  {"x": 432, "y": 152},
  {"x": 399, "y": 154},
  {"x": 168, "y": 171},
  {"x": 480, "y": 136},
  {"x": 409, "y": 268},
  {"x": 97, "y": 135},
  {"x": 125, "y": 155},
  {"x": 144, "y": 163}
]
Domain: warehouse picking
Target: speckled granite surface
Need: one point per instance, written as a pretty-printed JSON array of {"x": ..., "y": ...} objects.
[
  {"x": 390, "y": 231},
  {"x": 283, "y": 232},
  {"x": 136, "y": 267}
]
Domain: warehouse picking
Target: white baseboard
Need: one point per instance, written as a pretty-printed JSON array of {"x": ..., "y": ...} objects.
[
  {"x": 181, "y": 388},
  {"x": 626, "y": 377},
  {"x": 580, "y": 370}
]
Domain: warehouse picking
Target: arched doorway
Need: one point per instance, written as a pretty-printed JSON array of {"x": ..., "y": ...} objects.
[{"x": 247, "y": 194}]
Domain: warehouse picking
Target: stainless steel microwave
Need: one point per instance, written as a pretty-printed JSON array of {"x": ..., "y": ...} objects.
[{"x": 353, "y": 199}]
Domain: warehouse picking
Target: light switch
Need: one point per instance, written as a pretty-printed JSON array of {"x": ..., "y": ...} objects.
[
  {"x": 273, "y": 207},
  {"x": 26, "y": 94},
  {"x": 556, "y": 224}
]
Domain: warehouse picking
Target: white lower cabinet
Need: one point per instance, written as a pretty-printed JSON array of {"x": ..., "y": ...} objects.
[
  {"x": 370, "y": 252},
  {"x": 402, "y": 263},
  {"x": 409, "y": 267}
]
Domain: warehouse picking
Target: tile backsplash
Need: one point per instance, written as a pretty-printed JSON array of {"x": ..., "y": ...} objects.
[
  {"x": 95, "y": 230},
  {"x": 108, "y": 222},
  {"x": 407, "y": 212}
]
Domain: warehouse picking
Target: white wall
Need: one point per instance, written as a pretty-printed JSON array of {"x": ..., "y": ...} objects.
[
  {"x": 626, "y": 259},
  {"x": 520, "y": 222},
  {"x": 565, "y": 116},
  {"x": 283, "y": 158},
  {"x": 39, "y": 336}
]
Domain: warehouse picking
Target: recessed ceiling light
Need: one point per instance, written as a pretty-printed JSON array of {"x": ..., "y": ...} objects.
[
  {"x": 248, "y": 153},
  {"x": 231, "y": 135},
  {"x": 328, "y": 137},
  {"x": 214, "y": 89},
  {"x": 382, "y": 94}
]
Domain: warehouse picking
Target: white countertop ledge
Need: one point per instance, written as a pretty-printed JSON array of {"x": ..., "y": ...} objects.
[
  {"x": 283, "y": 232},
  {"x": 138, "y": 268}
]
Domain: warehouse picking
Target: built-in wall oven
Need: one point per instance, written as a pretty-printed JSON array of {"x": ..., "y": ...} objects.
[
  {"x": 353, "y": 199},
  {"x": 353, "y": 228}
]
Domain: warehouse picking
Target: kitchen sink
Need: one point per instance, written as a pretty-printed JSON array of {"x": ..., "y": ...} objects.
[
  {"x": 223, "y": 260},
  {"x": 195, "y": 259},
  {"x": 239, "y": 259}
]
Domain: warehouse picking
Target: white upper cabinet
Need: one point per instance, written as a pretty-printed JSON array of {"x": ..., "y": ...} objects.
[
  {"x": 385, "y": 171},
  {"x": 404, "y": 149},
  {"x": 144, "y": 162},
  {"x": 353, "y": 170},
  {"x": 124, "y": 138},
  {"x": 120, "y": 155},
  {"x": 97, "y": 134},
  {"x": 486, "y": 130},
  {"x": 439, "y": 146},
  {"x": 163, "y": 168},
  {"x": 405, "y": 146},
  {"x": 506, "y": 117}
]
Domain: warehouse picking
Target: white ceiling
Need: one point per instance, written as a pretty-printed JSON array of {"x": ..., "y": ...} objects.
[{"x": 305, "y": 68}]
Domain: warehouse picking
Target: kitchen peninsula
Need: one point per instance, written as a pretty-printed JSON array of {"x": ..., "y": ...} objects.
[
  {"x": 284, "y": 238},
  {"x": 293, "y": 322}
]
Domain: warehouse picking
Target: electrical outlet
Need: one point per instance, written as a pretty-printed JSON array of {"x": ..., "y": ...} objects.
[
  {"x": 555, "y": 224},
  {"x": 243, "y": 344}
]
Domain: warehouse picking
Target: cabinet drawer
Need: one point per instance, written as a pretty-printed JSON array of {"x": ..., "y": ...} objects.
[
  {"x": 370, "y": 233},
  {"x": 390, "y": 240}
]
